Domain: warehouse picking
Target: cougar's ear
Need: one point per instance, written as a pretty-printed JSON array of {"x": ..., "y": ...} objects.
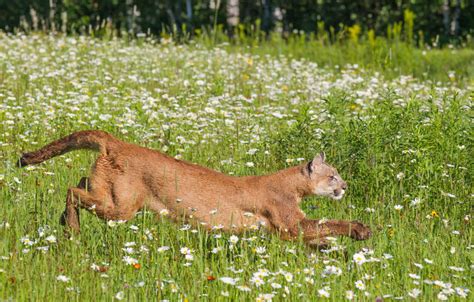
[{"x": 317, "y": 160}]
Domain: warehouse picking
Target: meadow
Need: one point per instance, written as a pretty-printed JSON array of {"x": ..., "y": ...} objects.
[{"x": 400, "y": 135}]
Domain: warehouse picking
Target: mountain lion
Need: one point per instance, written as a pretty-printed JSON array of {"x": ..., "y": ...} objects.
[{"x": 127, "y": 178}]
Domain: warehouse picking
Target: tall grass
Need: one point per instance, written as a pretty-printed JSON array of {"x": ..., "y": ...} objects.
[{"x": 403, "y": 145}]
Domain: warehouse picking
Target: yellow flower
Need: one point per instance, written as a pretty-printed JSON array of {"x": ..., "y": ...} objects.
[
  {"x": 391, "y": 232},
  {"x": 434, "y": 214}
]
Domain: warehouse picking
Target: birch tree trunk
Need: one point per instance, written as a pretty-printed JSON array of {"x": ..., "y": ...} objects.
[
  {"x": 52, "y": 12},
  {"x": 189, "y": 15},
  {"x": 447, "y": 16},
  {"x": 232, "y": 9},
  {"x": 455, "y": 19}
]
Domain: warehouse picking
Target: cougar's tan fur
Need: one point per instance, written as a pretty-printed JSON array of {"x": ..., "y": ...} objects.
[{"x": 127, "y": 178}]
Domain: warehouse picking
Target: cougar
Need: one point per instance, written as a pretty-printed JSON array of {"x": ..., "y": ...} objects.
[{"x": 127, "y": 178}]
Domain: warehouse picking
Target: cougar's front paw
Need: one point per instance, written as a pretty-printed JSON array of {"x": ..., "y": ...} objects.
[{"x": 360, "y": 231}]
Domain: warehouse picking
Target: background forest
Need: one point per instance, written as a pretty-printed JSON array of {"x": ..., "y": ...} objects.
[{"x": 438, "y": 21}]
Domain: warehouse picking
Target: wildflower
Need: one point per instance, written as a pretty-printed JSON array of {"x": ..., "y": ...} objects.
[
  {"x": 27, "y": 241},
  {"x": 140, "y": 284},
  {"x": 434, "y": 214},
  {"x": 137, "y": 265},
  {"x": 243, "y": 288},
  {"x": 211, "y": 278},
  {"x": 228, "y": 280},
  {"x": 250, "y": 164},
  {"x": 233, "y": 239},
  {"x": 225, "y": 293},
  {"x": 111, "y": 223},
  {"x": 129, "y": 250},
  {"x": 331, "y": 270},
  {"x": 261, "y": 273},
  {"x": 428, "y": 261},
  {"x": 418, "y": 265},
  {"x": 162, "y": 249},
  {"x": 119, "y": 296},
  {"x": 129, "y": 260},
  {"x": 414, "y": 293},
  {"x": 288, "y": 276},
  {"x": 216, "y": 250},
  {"x": 164, "y": 212},
  {"x": 252, "y": 151},
  {"x": 441, "y": 296},
  {"x": 185, "y": 250},
  {"x": 257, "y": 281},
  {"x": 398, "y": 207},
  {"x": 461, "y": 292},
  {"x": 415, "y": 202},
  {"x": 324, "y": 293},
  {"x": 349, "y": 295},
  {"x": 414, "y": 276},
  {"x": 63, "y": 278},
  {"x": 400, "y": 175},
  {"x": 51, "y": 239},
  {"x": 456, "y": 269},
  {"x": 95, "y": 267},
  {"x": 265, "y": 297},
  {"x": 359, "y": 284},
  {"x": 359, "y": 258},
  {"x": 260, "y": 250},
  {"x": 276, "y": 285},
  {"x": 448, "y": 195}
]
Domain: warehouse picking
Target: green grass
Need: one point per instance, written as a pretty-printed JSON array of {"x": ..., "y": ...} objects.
[
  {"x": 392, "y": 57},
  {"x": 394, "y": 139}
]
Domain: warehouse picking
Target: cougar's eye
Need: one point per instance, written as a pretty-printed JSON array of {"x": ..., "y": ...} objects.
[{"x": 332, "y": 178}]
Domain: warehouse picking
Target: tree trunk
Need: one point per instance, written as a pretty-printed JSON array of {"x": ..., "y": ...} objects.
[
  {"x": 267, "y": 17},
  {"x": 233, "y": 14},
  {"x": 189, "y": 15},
  {"x": 232, "y": 9},
  {"x": 129, "y": 8},
  {"x": 446, "y": 15},
  {"x": 455, "y": 19},
  {"x": 52, "y": 12}
]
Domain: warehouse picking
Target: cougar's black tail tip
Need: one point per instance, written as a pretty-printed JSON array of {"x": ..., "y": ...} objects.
[{"x": 22, "y": 162}]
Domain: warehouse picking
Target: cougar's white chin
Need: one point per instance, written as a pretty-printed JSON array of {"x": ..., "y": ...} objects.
[{"x": 338, "y": 197}]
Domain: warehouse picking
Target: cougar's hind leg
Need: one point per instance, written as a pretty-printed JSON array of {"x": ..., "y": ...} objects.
[
  {"x": 107, "y": 202},
  {"x": 70, "y": 217}
]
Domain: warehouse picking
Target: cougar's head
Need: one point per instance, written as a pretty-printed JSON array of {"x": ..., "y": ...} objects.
[{"x": 324, "y": 179}]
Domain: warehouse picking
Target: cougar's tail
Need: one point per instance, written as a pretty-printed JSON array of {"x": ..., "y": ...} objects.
[{"x": 89, "y": 139}]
